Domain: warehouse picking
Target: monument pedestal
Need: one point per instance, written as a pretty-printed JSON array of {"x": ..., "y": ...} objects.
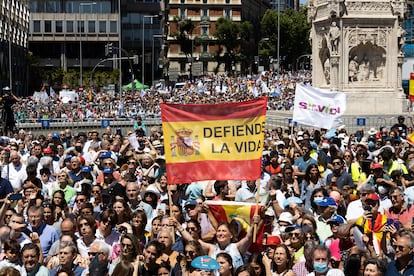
[{"x": 357, "y": 49}]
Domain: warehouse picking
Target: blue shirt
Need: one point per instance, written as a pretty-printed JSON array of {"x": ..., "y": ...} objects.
[
  {"x": 5, "y": 188},
  {"x": 47, "y": 236},
  {"x": 77, "y": 270},
  {"x": 302, "y": 164},
  {"x": 392, "y": 269}
]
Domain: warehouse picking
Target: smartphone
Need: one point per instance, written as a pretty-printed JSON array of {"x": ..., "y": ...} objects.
[
  {"x": 389, "y": 221},
  {"x": 367, "y": 208},
  {"x": 15, "y": 197}
]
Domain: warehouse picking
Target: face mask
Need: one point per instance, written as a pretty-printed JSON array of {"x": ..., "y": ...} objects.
[{"x": 320, "y": 267}]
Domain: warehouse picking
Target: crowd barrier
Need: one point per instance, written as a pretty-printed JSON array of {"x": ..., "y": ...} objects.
[{"x": 274, "y": 119}]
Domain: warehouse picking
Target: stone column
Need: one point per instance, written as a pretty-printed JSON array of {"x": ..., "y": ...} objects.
[{"x": 334, "y": 71}]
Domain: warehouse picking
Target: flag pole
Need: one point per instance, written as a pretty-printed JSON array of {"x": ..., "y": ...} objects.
[
  {"x": 256, "y": 210},
  {"x": 170, "y": 204}
]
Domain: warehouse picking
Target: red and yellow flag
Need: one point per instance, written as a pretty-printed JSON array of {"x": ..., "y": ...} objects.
[
  {"x": 240, "y": 215},
  {"x": 213, "y": 141},
  {"x": 411, "y": 88}
]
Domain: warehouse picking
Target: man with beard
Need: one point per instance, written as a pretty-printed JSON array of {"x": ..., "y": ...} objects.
[{"x": 339, "y": 177}]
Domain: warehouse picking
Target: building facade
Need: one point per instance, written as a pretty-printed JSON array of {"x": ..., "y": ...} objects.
[
  {"x": 204, "y": 14},
  {"x": 14, "y": 31}
]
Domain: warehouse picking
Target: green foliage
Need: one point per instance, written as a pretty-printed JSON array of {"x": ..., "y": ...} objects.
[
  {"x": 294, "y": 35},
  {"x": 236, "y": 38},
  {"x": 183, "y": 36}
]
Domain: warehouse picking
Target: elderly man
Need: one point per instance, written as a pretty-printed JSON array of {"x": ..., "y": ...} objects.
[
  {"x": 400, "y": 209},
  {"x": 47, "y": 234},
  {"x": 15, "y": 171},
  {"x": 75, "y": 172},
  {"x": 67, "y": 255},
  {"x": 99, "y": 256},
  {"x": 403, "y": 263}
]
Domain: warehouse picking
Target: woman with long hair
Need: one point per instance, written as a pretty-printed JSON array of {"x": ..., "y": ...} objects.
[
  {"x": 138, "y": 223},
  {"x": 226, "y": 264},
  {"x": 192, "y": 250},
  {"x": 122, "y": 210},
  {"x": 281, "y": 262},
  {"x": 311, "y": 181},
  {"x": 129, "y": 250},
  {"x": 256, "y": 262}
]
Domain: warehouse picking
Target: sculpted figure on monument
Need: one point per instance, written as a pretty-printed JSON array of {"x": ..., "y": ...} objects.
[
  {"x": 401, "y": 39},
  {"x": 333, "y": 37},
  {"x": 353, "y": 69}
]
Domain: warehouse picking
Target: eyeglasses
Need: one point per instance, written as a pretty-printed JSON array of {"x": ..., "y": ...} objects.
[
  {"x": 191, "y": 229},
  {"x": 96, "y": 192},
  {"x": 8, "y": 216},
  {"x": 189, "y": 252},
  {"x": 347, "y": 156},
  {"x": 131, "y": 162},
  {"x": 336, "y": 163},
  {"x": 395, "y": 196},
  {"x": 60, "y": 176},
  {"x": 294, "y": 234},
  {"x": 399, "y": 247},
  {"x": 371, "y": 203},
  {"x": 106, "y": 164},
  {"x": 80, "y": 200},
  {"x": 191, "y": 207},
  {"x": 94, "y": 253}
]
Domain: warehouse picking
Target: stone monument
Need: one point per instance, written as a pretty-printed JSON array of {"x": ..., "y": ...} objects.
[{"x": 357, "y": 49}]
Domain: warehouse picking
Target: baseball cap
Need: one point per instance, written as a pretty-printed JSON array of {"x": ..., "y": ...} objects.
[
  {"x": 107, "y": 170},
  {"x": 273, "y": 240},
  {"x": 105, "y": 154},
  {"x": 55, "y": 135},
  {"x": 372, "y": 196},
  {"x": 286, "y": 217},
  {"x": 191, "y": 203},
  {"x": 292, "y": 199},
  {"x": 375, "y": 166},
  {"x": 205, "y": 263},
  {"x": 326, "y": 201},
  {"x": 68, "y": 157},
  {"x": 86, "y": 169},
  {"x": 336, "y": 219}
]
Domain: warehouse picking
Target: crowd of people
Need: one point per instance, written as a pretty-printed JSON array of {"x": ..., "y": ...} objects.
[
  {"x": 90, "y": 203},
  {"x": 209, "y": 89}
]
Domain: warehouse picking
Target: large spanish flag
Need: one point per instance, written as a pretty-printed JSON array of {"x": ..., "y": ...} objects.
[{"x": 213, "y": 141}]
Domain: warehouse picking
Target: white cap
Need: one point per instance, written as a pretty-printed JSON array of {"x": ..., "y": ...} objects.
[{"x": 286, "y": 217}]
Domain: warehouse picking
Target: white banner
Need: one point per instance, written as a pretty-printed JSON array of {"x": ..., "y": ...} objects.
[{"x": 317, "y": 107}]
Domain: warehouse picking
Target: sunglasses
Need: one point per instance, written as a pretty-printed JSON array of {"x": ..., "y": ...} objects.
[
  {"x": 189, "y": 252},
  {"x": 191, "y": 207},
  {"x": 191, "y": 229},
  {"x": 131, "y": 163},
  {"x": 94, "y": 253},
  {"x": 399, "y": 247},
  {"x": 294, "y": 234},
  {"x": 336, "y": 163}
]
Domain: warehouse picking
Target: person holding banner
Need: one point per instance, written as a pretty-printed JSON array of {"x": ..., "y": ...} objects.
[{"x": 224, "y": 238}]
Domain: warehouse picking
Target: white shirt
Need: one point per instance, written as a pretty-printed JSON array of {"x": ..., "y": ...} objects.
[{"x": 16, "y": 175}]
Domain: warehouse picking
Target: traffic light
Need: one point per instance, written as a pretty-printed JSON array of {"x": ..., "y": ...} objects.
[{"x": 108, "y": 49}]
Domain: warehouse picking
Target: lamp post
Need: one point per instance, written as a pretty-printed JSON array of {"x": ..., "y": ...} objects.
[
  {"x": 143, "y": 47},
  {"x": 153, "y": 55},
  {"x": 278, "y": 38},
  {"x": 81, "y": 5}
]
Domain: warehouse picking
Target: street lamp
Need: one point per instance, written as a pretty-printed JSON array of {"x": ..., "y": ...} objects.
[
  {"x": 152, "y": 57},
  {"x": 143, "y": 47},
  {"x": 81, "y": 5}
]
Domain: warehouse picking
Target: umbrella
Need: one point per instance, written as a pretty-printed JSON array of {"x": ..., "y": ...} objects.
[{"x": 138, "y": 86}]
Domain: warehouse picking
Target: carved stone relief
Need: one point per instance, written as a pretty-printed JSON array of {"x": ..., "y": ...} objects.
[{"x": 366, "y": 63}]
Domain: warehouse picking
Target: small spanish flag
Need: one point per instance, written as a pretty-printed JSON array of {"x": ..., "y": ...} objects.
[
  {"x": 411, "y": 87},
  {"x": 410, "y": 139},
  {"x": 213, "y": 141}
]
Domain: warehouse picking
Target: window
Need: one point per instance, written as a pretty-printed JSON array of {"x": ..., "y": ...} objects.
[
  {"x": 102, "y": 27},
  {"x": 81, "y": 27},
  {"x": 69, "y": 26},
  {"x": 182, "y": 12},
  {"x": 113, "y": 26},
  {"x": 36, "y": 26},
  {"x": 91, "y": 27},
  {"x": 59, "y": 26},
  {"x": 204, "y": 30},
  {"x": 204, "y": 12},
  {"x": 48, "y": 26},
  {"x": 227, "y": 11}
]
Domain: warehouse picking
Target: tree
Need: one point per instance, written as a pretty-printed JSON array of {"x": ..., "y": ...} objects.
[
  {"x": 294, "y": 35},
  {"x": 228, "y": 35},
  {"x": 182, "y": 36}
]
